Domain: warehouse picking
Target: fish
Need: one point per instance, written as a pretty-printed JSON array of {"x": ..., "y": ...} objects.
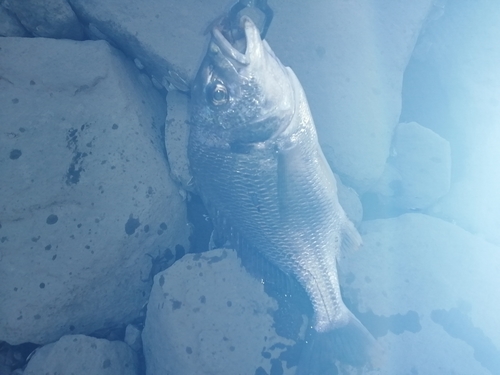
[{"x": 258, "y": 166}]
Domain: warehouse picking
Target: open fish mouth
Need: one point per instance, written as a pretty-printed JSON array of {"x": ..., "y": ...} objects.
[{"x": 247, "y": 39}]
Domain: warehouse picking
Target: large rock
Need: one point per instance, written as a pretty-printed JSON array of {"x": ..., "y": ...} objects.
[
  {"x": 47, "y": 18},
  {"x": 427, "y": 289},
  {"x": 83, "y": 355},
  {"x": 462, "y": 49},
  {"x": 207, "y": 315},
  {"x": 86, "y": 202},
  {"x": 349, "y": 56}
]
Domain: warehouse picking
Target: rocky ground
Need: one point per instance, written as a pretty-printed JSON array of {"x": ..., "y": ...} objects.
[{"x": 104, "y": 266}]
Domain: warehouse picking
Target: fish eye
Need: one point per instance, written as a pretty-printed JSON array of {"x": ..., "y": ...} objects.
[{"x": 219, "y": 94}]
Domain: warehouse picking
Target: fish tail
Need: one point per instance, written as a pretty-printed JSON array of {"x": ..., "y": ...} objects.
[{"x": 350, "y": 344}]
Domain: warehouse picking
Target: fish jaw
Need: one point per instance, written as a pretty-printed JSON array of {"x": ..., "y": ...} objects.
[{"x": 241, "y": 91}]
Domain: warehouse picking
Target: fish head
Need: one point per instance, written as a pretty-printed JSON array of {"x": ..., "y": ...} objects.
[{"x": 242, "y": 92}]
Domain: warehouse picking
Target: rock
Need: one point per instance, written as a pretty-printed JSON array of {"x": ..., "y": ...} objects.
[
  {"x": 206, "y": 315},
  {"x": 176, "y": 138},
  {"x": 461, "y": 51},
  {"x": 47, "y": 18},
  {"x": 83, "y": 355},
  {"x": 133, "y": 337},
  {"x": 10, "y": 25},
  {"x": 86, "y": 202},
  {"x": 426, "y": 289},
  {"x": 419, "y": 171}
]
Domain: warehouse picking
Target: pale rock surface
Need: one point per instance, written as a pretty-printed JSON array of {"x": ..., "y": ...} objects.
[
  {"x": 83, "y": 355},
  {"x": 47, "y": 18},
  {"x": 349, "y": 56},
  {"x": 442, "y": 280},
  {"x": 10, "y": 25},
  {"x": 86, "y": 202},
  {"x": 418, "y": 172},
  {"x": 207, "y": 315},
  {"x": 463, "y": 48}
]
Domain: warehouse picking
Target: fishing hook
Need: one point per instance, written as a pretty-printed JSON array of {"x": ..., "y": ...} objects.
[{"x": 258, "y": 4}]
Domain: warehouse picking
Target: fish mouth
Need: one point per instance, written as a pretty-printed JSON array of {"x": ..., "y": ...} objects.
[{"x": 239, "y": 49}]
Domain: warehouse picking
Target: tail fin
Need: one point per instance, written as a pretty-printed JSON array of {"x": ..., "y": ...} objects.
[{"x": 351, "y": 344}]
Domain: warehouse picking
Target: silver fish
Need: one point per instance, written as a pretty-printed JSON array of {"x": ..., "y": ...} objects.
[{"x": 256, "y": 161}]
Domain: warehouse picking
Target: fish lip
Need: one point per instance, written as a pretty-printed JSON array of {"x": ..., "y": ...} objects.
[{"x": 227, "y": 48}]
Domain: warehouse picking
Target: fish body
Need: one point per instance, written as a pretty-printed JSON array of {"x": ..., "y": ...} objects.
[{"x": 258, "y": 166}]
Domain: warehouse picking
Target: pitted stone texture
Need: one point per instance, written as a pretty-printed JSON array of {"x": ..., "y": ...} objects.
[
  {"x": 207, "y": 315},
  {"x": 442, "y": 280},
  {"x": 47, "y": 18},
  {"x": 418, "y": 172},
  {"x": 86, "y": 202},
  {"x": 83, "y": 355}
]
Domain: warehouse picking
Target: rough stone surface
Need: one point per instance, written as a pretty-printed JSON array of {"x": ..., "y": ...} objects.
[
  {"x": 47, "y": 18},
  {"x": 9, "y": 24},
  {"x": 418, "y": 172},
  {"x": 427, "y": 290},
  {"x": 349, "y": 56},
  {"x": 462, "y": 51},
  {"x": 83, "y": 355},
  {"x": 206, "y": 315},
  {"x": 86, "y": 202}
]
